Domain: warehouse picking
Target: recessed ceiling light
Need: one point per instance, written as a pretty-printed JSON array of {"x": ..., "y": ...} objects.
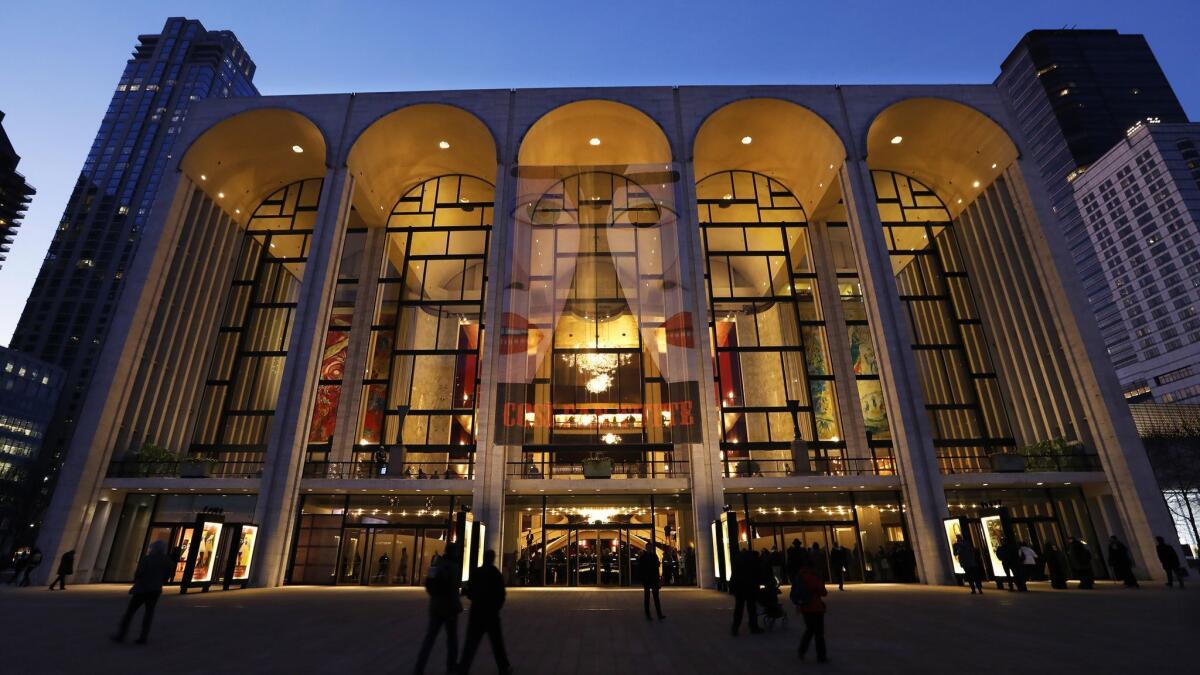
[
  {"x": 203, "y": 177},
  {"x": 237, "y": 210},
  {"x": 445, "y": 145},
  {"x": 960, "y": 200},
  {"x": 746, "y": 140},
  {"x": 220, "y": 195},
  {"x": 297, "y": 149},
  {"x": 593, "y": 141},
  {"x": 975, "y": 184},
  {"x": 993, "y": 165},
  {"x": 896, "y": 140}
]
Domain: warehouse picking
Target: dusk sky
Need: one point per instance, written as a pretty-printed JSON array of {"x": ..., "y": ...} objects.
[{"x": 63, "y": 59}]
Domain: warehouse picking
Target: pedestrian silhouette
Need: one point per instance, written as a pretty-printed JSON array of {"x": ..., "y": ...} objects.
[
  {"x": 1057, "y": 566},
  {"x": 1081, "y": 563},
  {"x": 442, "y": 584},
  {"x": 1121, "y": 562},
  {"x": 31, "y": 564},
  {"x": 1170, "y": 562},
  {"x": 744, "y": 582},
  {"x": 486, "y": 592},
  {"x": 153, "y": 570},
  {"x": 647, "y": 564},
  {"x": 837, "y": 563},
  {"x": 968, "y": 559},
  {"x": 66, "y": 567},
  {"x": 809, "y": 591}
]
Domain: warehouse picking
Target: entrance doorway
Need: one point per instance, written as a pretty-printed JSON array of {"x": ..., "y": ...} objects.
[
  {"x": 817, "y": 538},
  {"x": 388, "y": 556},
  {"x": 596, "y": 555}
]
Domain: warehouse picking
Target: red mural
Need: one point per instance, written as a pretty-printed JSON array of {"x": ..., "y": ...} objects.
[{"x": 333, "y": 366}]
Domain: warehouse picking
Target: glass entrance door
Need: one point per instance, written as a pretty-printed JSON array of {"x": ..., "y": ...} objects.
[
  {"x": 818, "y": 540},
  {"x": 597, "y": 555},
  {"x": 388, "y": 556}
]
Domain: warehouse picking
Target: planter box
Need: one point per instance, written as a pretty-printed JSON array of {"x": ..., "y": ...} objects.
[
  {"x": 194, "y": 469},
  {"x": 598, "y": 467},
  {"x": 1007, "y": 463}
]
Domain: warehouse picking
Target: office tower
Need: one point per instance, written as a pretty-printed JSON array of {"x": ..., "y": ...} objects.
[
  {"x": 1075, "y": 93},
  {"x": 1140, "y": 207},
  {"x": 28, "y": 391},
  {"x": 70, "y": 308},
  {"x": 15, "y": 193}
]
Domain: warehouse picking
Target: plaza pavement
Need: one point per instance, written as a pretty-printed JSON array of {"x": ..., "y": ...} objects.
[{"x": 871, "y": 629}]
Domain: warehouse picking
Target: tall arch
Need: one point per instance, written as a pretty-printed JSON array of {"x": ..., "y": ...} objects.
[{"x": 594, "y": 132}]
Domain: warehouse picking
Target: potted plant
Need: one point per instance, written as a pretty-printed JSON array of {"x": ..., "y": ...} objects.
[
  {"x": 153, "y": 460},
  {"x": 1006, "y": 462},
  {"x": 196, "y": 467},
  {"x": 597, "y": 466}
]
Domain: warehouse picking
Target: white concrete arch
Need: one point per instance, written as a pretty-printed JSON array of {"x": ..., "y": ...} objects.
[{"x": 594, "y": 132}]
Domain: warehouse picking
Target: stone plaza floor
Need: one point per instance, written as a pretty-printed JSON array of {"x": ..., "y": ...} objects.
[{"x": 871, "y": 628}]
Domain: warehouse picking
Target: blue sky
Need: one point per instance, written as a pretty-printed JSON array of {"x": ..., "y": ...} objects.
[{"x": 64, "y": 58}]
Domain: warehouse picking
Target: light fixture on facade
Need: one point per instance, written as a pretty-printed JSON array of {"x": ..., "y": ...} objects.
[
  {"x": 203, "y": 177},
  {"x": 975, "y": 184},
  {"x": 594, "y": 141},
  {"x": 746, "y": 140},
  {"x": 897, "y": 140},
  {"x": 220, "y": 195},
  {"x": 297, "y": 149},
  {"x": 445, "y": 145},
  {"x": 993, "y": 165}
]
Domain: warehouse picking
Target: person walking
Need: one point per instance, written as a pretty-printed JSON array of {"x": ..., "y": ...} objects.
[
  {"x": 809, "y": 590},
  {"x": 795, "y": 554},
  {"x": 648, "y": 570},
  {"x": 442, "y": 584},
  {"x": 1057, "y": 566},
  {"x": 1081, "y": 563},
  {"x": 486, "y": 592},
  {"x": 1029, "y": 560},
  {"x": 20, "y": 560},
  {"x": 1170, "y": 562},
  {"x": 968, "y": 559},
  {"x": 66, "y": 567},
  {"x": 153, "y": 570},
  {"x": 837, "y": 564},
  {"x": 35, "y": 559},
  {"x": 744, "y": 584},
  {"x": 1121, "y": 562}
]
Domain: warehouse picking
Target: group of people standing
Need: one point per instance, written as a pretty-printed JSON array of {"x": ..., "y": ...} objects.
[{"x": 755, "y": 583}]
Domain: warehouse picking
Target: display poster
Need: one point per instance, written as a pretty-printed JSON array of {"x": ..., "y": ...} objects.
[
  {"x": 245, "y": 553},
  {"x": 993, "y": 534},
  {"x": 183, "y": 544},
  {"x": 479, "y": 539},
  {"x": 728, "y": 541},
  {"x": 468, "y": 530},
  {"x": 206, "y": 555},
  {"x": 954, "y": 530},
  {"x": 716, "y": 547}
]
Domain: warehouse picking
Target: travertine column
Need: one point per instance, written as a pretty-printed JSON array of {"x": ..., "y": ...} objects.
[
  {"x": 283, "y": 464},
  {"x": 912, "y": 438}
]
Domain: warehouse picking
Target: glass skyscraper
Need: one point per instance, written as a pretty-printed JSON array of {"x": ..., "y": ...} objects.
[{"x": 69, "y": 310}]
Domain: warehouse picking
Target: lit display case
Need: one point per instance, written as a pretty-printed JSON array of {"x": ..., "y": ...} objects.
[
  {"x": 239, "y": 554},
  {"x": 200, "y": 568},
  {"x": 725, "y": 547},
  {"x": 955, "y": 528}
]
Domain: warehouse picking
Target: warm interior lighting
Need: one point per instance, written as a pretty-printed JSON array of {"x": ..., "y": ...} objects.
[
  {"x": 593, "y": 141},
  {"x": 203, "y": 177},
  {"x": 445, "y": 145},
  {"x": 746, "y": 140},
  {"x": 297, "y": 149},
  {"x": 975, "y": 184},
  {"x": 220, "y": 195},
  {"x": 896, "y": 140}
]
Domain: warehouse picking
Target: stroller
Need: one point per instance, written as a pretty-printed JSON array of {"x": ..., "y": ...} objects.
[{"x": 771, "y": 608}]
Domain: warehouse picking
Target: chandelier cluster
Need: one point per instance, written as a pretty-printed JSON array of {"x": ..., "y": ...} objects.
[{"x": 599, "y": 370}]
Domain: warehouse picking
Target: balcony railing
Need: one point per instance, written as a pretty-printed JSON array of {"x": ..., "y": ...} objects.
[
  {"x": 621, "y": 469},
  {"x": 184, "y": 469},
  {"x": 818, "y": 466},
  {"x": 366, "y": 470},
  {"x": 949, "y": 464}
]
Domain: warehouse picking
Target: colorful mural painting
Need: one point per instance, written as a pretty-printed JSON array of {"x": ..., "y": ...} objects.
[
  {"x": 333, "y": 366},
  {"x": 824, "y": 403},
  {"x": 870, "y": 391}
]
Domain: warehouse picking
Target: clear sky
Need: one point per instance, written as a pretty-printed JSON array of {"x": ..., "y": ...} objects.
[{"x": 63, "y": 59}]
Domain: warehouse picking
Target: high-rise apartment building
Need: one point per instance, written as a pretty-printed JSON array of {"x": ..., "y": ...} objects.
[
  {"x": 69, "y": 310},
  {"x": 1140, "y": 204},
  {"x": 28, "y": 390},
  {"x": 15, "y": 193},
  {"x": 1074, "y": 93}
]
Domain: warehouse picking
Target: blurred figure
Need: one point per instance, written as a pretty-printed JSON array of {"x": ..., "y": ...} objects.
[
  {"x": 31, "y": 564},
  {"x": 442, "y": 584},
  {"x": 1057, "y": 566},
  {"x": 486, "y": 592},
  {"x": 153, "y": 570},
  {"x": 744, "y": 584},
  {"x": 808, "y": 591},
  {"x": 1170, "y": 562},
  {"x": 837, "y": 564},
  {"x": 1081, "y": 563},
  {"x": 968, "y": 559},
  {"x": 66, "y": 567},
  {"x": 647, "y": 564},
  {"x": 1121, "y": 562},
  {"x": 1029, "y": 560}
]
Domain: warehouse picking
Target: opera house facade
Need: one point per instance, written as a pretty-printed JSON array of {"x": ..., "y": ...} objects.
[{"x": 576, "y": 323}]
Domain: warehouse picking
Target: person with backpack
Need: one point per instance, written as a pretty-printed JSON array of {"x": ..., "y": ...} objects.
[
  {"x": 807, "y": 591},
  {"x": 442, "y": 585}
]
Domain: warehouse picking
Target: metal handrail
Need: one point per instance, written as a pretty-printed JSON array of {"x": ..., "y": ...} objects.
[
  {"x": 550, "y": 468},
  {"x": 365, "y": 470},
  {"x": 817, "y": 466},
  {"x": 174, "y": 469}
]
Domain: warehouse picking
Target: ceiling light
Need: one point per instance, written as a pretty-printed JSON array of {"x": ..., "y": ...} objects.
[
  {"x": 993, "y": 165},
  {"x": 896, "y": 140},
  {"x": 445, "y": 145},
  {"x": 297, "y": 149},
  {"x": 220, "y": 195},
  {"x": 593, "y": 141},
  {"x": 975, "y": 184},
  {"x": 746, "y": 140},
  {"x": 203, "y": 177},
  {"x": 237, "y": 210}
]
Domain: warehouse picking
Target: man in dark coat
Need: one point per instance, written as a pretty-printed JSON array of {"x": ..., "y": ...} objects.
[
  {"x": 1081, "y": 563},
  {"x": 1121, "y": 562},
  {"x": 442, "y": 584},
  {"x": 744, "y": 584},
  {"x": 486, "y": 592},
  {"x": 837, "y": 564},
  {"x": 1170, "y": 562},
  {"x": 647, "y": 564},
  {"x": 795, "y": 554},
  {"x": 66, "y": 567},
  {"x": 153, "y": 570},
  {"x": 968, "y": 559}
]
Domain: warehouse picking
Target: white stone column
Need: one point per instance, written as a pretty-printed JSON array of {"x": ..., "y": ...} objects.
[
  {"x": 912, "y": 439},
  {"x": 278, "y": 496}
]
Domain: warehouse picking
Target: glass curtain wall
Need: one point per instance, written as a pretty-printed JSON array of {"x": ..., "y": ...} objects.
[
  {"x": 774, "y": 378},
  {"x": 421, "y": 382},
  {"x": 962, "y": 395},
  {"x": 596, "y": 338},
  {"x": 243, "y": 379}
]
